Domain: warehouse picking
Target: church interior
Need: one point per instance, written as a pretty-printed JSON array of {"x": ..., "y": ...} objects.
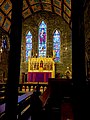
[{"x": 44, "y": 43}]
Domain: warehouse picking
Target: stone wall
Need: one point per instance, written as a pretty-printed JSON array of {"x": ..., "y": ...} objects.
[
  {"x": 87, "y": 29},
  {"x": 4, "y": 58},
  {"x": 53, "y": 22},
  {"x": 87, "y": 38}
]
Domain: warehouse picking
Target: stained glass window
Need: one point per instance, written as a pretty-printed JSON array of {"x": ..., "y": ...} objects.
[
  {"x": 42, "y": 39},
  {"x": 56, "y": 45},
  {"x": 4, "y": 42},
  {"x": 28, "y": 45}
]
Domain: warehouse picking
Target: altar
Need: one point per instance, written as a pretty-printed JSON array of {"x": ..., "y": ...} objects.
[{"x": 40, "y": 69}]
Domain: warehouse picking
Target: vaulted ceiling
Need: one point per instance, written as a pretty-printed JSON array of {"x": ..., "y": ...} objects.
[{"x": 60, "y": 7}]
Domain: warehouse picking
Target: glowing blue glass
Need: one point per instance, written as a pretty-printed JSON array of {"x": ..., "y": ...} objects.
[
  {"x": 28, "y": 44},
  {"x": 56, "y": 45}
]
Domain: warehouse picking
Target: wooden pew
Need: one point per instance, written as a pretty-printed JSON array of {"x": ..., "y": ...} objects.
[
  {"x": 45, "y": 96},
  {"x": 2, "y": 111},
  {"x": 22, "y": 106},
  {"x": 58, "y": 90},
  {"x": 38, "y": 103},
  {"x": 63, "y": 87}
]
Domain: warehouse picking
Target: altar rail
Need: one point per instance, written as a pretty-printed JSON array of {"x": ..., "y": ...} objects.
[
  {"x": 22, "y": 88},
  {"x": 23, "y": 99},
  {"x": 32, "y": 86}
]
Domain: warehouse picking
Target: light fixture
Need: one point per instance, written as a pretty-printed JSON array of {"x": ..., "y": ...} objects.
[
  {"x": 65, "y": 48},
  {"x": 1, "y": 50}
]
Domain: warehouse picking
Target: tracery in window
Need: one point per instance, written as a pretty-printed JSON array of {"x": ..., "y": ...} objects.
[{"x": 4, "y": 42}]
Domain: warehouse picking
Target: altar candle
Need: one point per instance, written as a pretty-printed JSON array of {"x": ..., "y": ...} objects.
[{"x": 36, "y": 55}]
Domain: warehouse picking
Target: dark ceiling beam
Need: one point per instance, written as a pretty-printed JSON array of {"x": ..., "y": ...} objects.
[
  {"x": 6, "y": 15},
  {"x": 66, "y": 22},
  {"x": 87, "y": 45},
  {"x": 62, "y": 8},
  {"x": 67, "y": 6},
  {"x": 66, "y": 14},
  {"x": 85, "y": 4},
  {"x": 30, "y": 6},
  {"x": 2, "y": 3},
  {"x": 3, "y": 31},
  {"x": 52, "y": 6},
  {"x": 41, "y": 4},
  {"x": 87, "y": 41},
  {"x": 69, "y": 18},
  {"x": 70, "y": 24},
  {"x": 63, "y": 3}
]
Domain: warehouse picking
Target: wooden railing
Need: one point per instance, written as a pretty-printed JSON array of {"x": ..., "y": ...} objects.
[
  {"x": 24, "y": 93},
  {"x": 22, "y": 88},
  {"x": 22, "y": 106},
  {"x": 2, "y": 93},
  {"x": 29, "y": 87},
  {"x": 45, "y": 96}
]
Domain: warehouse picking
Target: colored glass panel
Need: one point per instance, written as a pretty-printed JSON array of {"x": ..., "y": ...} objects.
[
  {"x": 56, "y": 45},
  {"x": 28, "y": 44},
  {"x": 4, "y": 44},
  {"x": 42, "y": 39}
]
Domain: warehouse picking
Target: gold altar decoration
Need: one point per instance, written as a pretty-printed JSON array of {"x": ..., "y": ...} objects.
[{"x": 41, "y": 64}]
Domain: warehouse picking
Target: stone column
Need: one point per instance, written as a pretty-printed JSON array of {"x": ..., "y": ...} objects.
[
  {"x": 14, "y": 60},
  {"x": 78, "y": 60},
  {"x": 78, "y": 43}
]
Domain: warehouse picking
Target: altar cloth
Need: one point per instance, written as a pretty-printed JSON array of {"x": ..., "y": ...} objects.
[{"x": 39, "y": 76}]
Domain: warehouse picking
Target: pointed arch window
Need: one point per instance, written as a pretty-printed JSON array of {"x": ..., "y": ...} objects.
[
  {"x": 42, "y": 39},
  {"x": 4, "y": 42},
  {"x": 56, "y": 45},
  {"x": 28, "y": 44}
]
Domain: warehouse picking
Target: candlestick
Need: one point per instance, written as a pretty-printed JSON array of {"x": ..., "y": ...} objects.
[{"x": 36, "y": 55}]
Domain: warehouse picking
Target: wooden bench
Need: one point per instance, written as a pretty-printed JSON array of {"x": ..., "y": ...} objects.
[
  {"x": 22, "y": 106},
  {"x": 2, "y": 111},
  {"x": 45, "y": 96}
]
